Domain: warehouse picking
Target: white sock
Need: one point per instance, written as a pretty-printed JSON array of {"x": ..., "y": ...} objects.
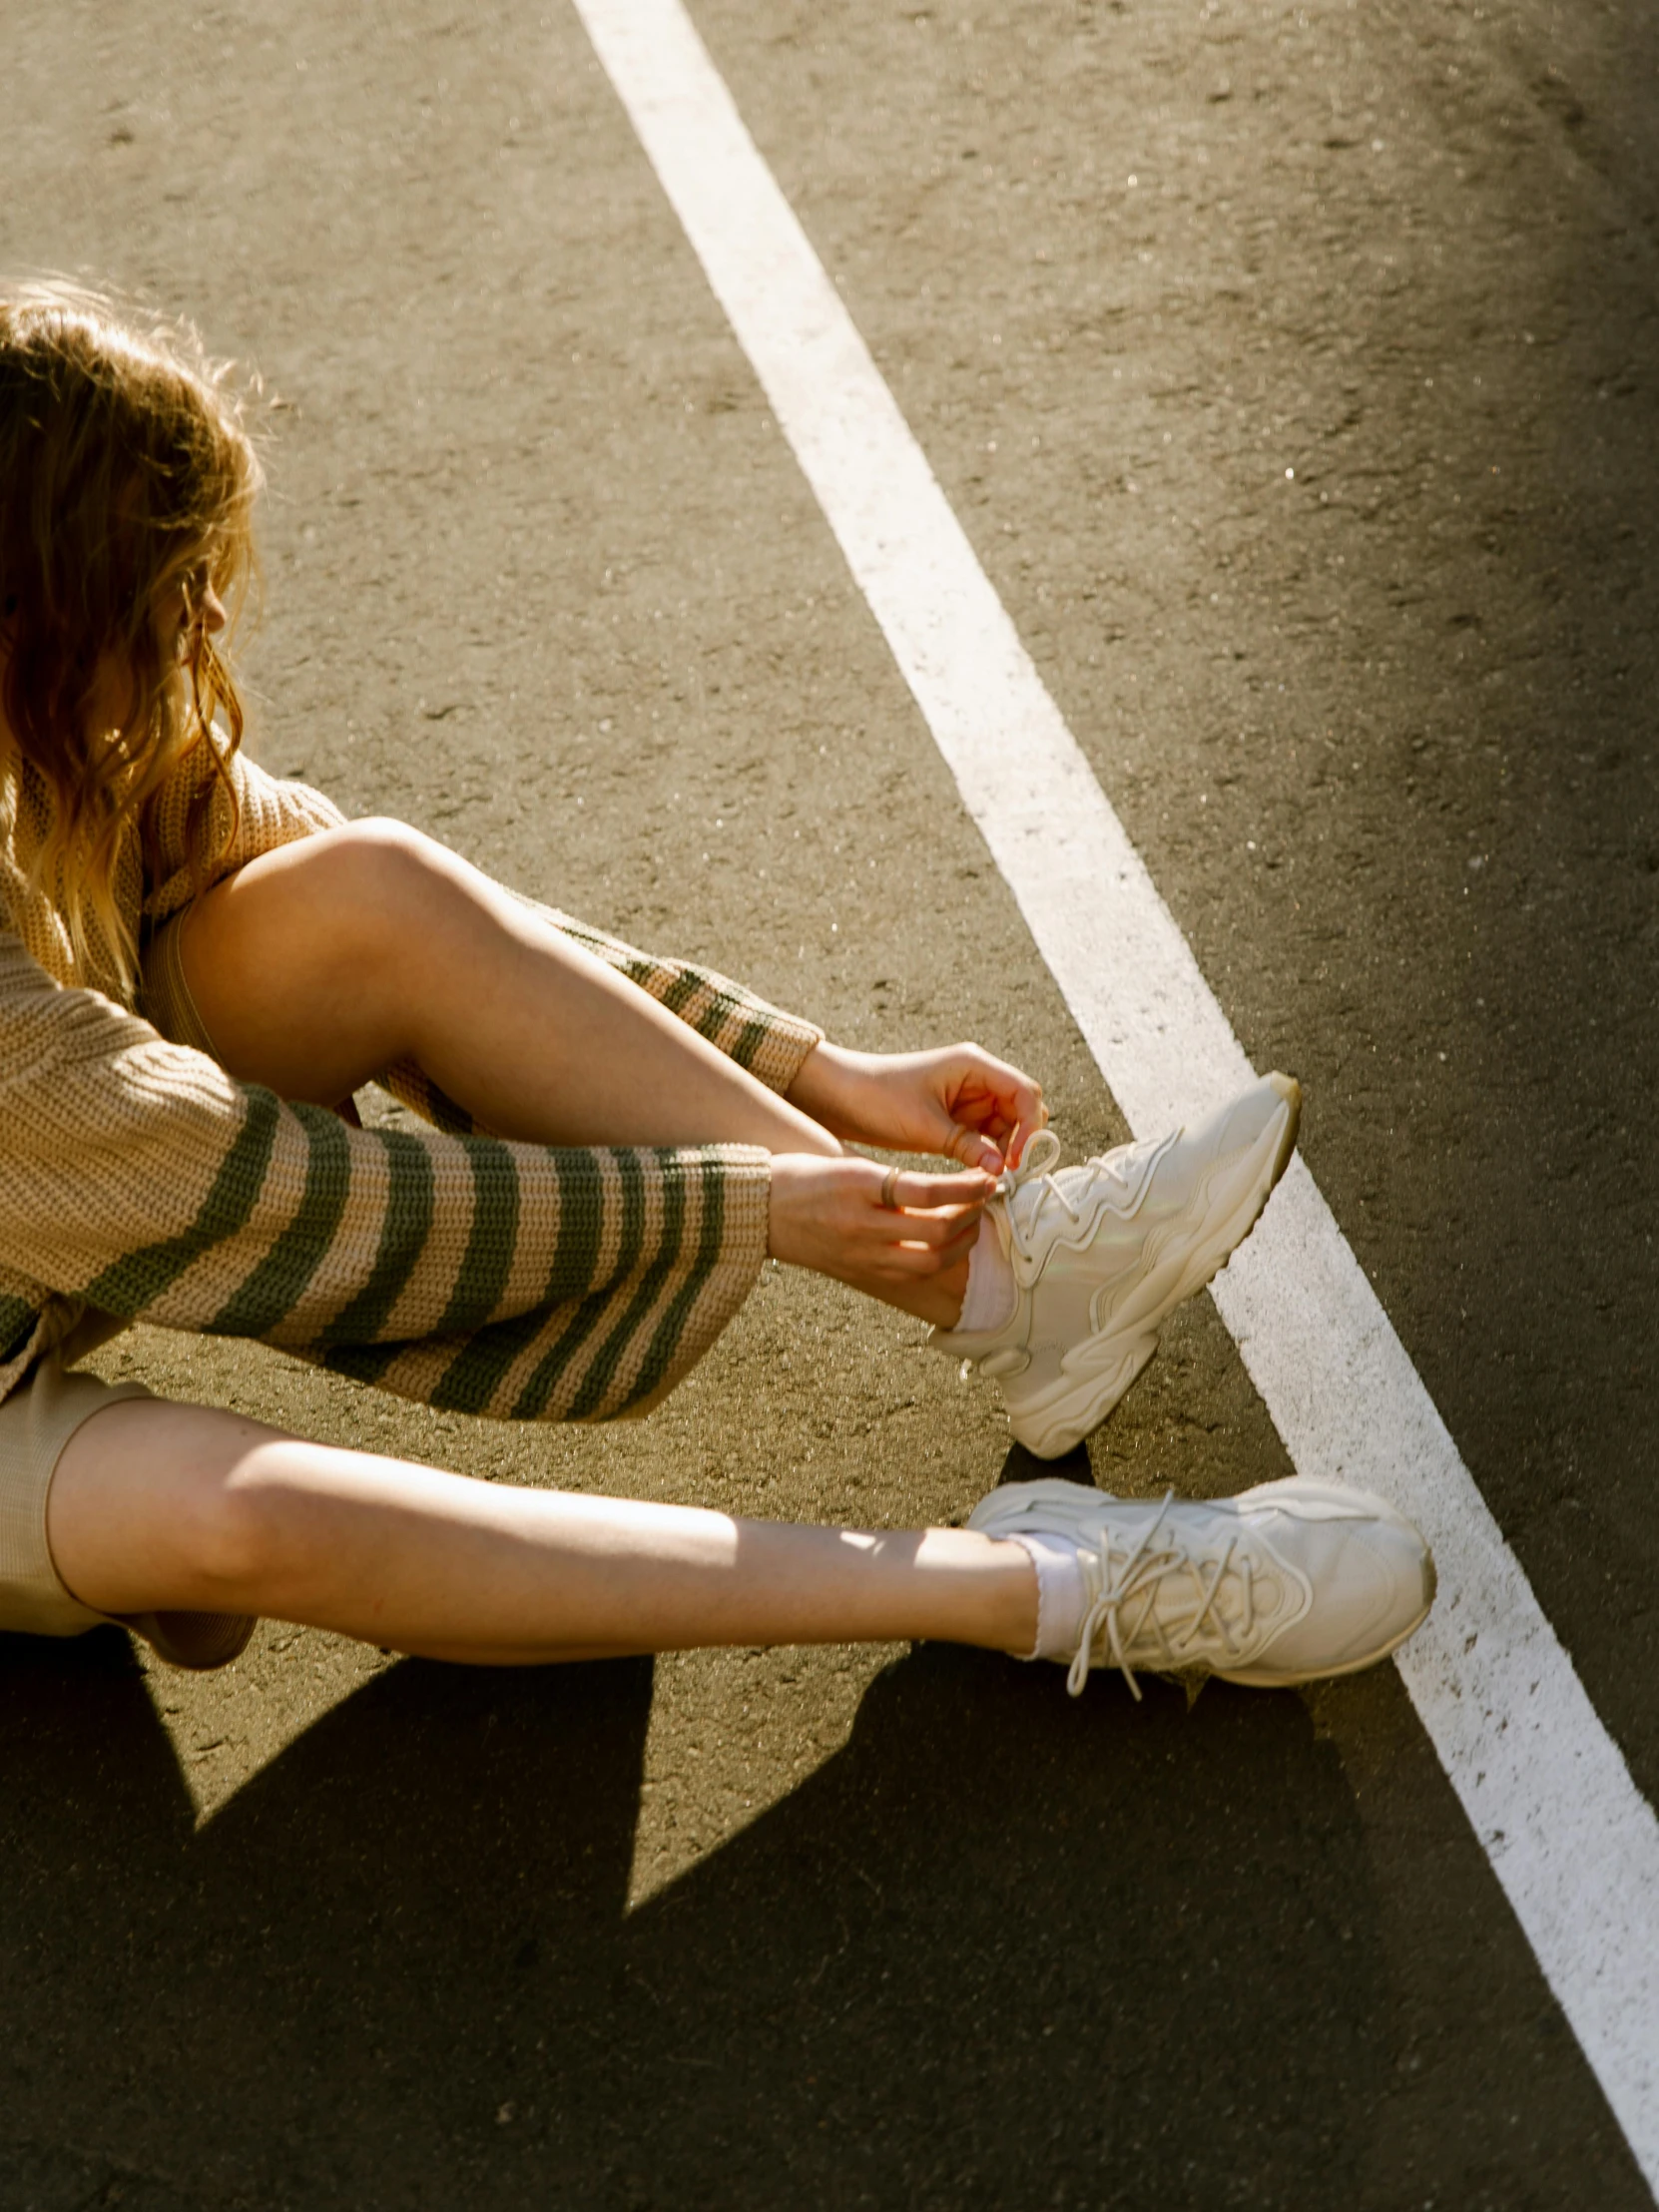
[
  {"x": 1062, "y": 1595},
  {"x": 992, "y": 1294}
]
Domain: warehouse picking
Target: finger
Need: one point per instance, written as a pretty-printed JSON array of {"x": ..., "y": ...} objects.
[
  {"x": 1024, "y": 1133},
  {"x": 904, "y": 1262},
  {"x": 949, "y": 1129},
  {"x": 956, "y": 1253},
  {"x": 935, "y": 1232},
  {"x": 1018, "y": 1094},
  {"x": 974, "y": 1149},
  {"x": 925, "y": 1193},
  {"x": 955, "y": 1226},
  {"x": 1025, "y": 1109}
]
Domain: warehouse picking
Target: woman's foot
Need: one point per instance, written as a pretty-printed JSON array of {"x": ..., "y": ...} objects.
[
  {"x": 1288, "y": 1582},
  {"x": 1100, "y": 1255}
]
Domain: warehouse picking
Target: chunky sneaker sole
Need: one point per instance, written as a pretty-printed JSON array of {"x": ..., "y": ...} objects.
[
  {"x": 1103, "y": 1252},
  {"x": 1292, "y": 1581}
]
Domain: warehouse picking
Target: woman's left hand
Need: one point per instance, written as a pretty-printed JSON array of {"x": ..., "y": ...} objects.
[{"x": 958, "y": 1101}]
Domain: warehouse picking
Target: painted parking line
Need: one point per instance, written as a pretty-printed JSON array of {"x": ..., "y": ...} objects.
[{"x": 1573, "y": 1843}]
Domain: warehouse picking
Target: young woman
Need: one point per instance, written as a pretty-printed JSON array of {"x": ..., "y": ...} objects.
[{"x": 200, "y": 965}]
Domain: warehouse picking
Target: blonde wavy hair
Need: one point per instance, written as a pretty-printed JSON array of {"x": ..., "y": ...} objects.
[{"x": 128, "y": 476}]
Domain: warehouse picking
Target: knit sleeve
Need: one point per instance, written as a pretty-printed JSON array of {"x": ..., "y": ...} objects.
[
  {"x": 510, "y": 1278},
  {"x": 193, "y": 812}
]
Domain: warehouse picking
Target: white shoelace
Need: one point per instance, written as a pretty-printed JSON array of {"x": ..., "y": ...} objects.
[
  {"x": 1036, "y": 1172},
  {"x": 1126, "y": 1600}
]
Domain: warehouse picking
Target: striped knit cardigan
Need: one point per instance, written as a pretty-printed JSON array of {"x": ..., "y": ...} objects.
[{"x": 139, "y": 1180}]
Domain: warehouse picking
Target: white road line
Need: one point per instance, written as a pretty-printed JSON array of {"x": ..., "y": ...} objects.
[{"x": 1547, "y": 1792}]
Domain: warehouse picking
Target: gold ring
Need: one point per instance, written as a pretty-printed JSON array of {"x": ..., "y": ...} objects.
[{"x": 889, "y": 1191}]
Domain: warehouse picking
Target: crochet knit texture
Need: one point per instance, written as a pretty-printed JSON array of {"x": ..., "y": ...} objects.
[{"x": 139, "y": 1179}]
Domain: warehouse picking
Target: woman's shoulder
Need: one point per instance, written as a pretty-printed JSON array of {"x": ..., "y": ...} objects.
[{"x": 212, "y": 815}]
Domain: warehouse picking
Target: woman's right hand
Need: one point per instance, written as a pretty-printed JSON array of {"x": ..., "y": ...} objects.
[
  {"x": 828, "y": 1215},
  {"x": 955, "y": 1099}
]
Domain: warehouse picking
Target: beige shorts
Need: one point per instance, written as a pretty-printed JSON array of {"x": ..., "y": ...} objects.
[{"x": 36, "y": 1421}]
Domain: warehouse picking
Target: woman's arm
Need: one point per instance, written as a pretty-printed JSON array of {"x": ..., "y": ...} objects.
[
  {"x": 956, "y": 1099},
  {"x": 137, "y": 1175}
]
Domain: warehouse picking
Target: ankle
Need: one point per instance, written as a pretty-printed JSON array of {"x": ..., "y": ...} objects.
[
  {"x": 1010, "y": 1600},
  {"x": 939, "y": 1300},
  {"x": 972, "y": 1589},
  {"x": 1020, "y": 1618},
  {"x": 992, "y": 1296}
]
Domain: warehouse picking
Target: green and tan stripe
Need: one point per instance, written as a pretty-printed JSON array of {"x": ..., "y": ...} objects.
[
  {"x": 405, "y": 1225},
  {"x": 270, "y": 1293},
  {"x": 478, "y": 1373},
  {"x": 141, "y": 1277},
  {"x": 431, "y": 1283},
  {"x": 737, "y": 1021},
  {"x": 557, "y": 1375},
  {"x": 628, "y": 1362},
  {"x": 596, "y": 1383},
  {"x": 670, "y": 1329},
  {"x": 481, "y": 1277}
]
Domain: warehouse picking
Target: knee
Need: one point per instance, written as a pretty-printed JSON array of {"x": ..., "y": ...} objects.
[
  {"x": 241, "y": 1536},
  {"x": 222, "y": 1538},
  {"x": 384, "y": 879}
]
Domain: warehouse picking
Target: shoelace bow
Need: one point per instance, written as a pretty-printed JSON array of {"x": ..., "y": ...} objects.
[{"x": 1137, "y": 1577}]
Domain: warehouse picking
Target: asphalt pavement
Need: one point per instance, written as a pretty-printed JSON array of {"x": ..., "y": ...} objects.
[{"x": 1293, "y": 372}]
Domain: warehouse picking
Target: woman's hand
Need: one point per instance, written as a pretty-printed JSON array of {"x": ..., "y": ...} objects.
[
  {"x": 957, "y": 1100},
  {"x": 829, "y": 1215}
]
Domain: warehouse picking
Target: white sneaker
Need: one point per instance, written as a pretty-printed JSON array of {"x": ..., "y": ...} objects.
[
  {"x": 1102, "y": 1253},
  {"x": 1290, "y": 1582}
]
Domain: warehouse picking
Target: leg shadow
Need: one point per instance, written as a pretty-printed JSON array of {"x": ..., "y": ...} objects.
[
  {"x": 96, "y": 1827},
  {"x": 330, "y": 1994},
  {"x": 1009, "y": 1951},
  {"x": 1002, "y": 1950}
]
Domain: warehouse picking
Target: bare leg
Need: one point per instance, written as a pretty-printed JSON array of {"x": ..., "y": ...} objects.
[
  {"x": 180, "y": 1507},
  {"x": 328, "y": 960},
  {"x": 321, "y": 963}
]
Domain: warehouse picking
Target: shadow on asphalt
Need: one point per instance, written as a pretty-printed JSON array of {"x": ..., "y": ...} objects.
[{"x": 1002, "y": 1950}]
